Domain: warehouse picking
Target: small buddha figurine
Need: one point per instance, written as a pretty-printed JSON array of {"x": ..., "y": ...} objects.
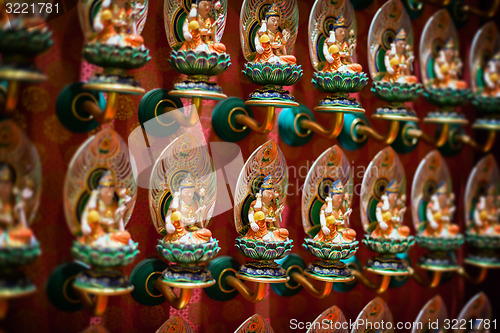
[
  {"x": 339, "y": 51},
  {"x": 492, "y": 77},
  {"x": 270, "y": 42},
  {"x": 102, "y": 219},
  {"x": 201, "y": 37},
  {"x": 398, "y": 61},
  {"x": 14, "y": 231},
  {"x": 333, "y": 215},
  {"x": 183, "y": 221},
  {"x": 389, "y": 213},
  {"x": 439, "y": 213},
  {"x": 447, "y": 67},
  {"x": 115, "y": 25},
  {"x": 487, "y": 213},
  {"x": 265, "y": 215}
]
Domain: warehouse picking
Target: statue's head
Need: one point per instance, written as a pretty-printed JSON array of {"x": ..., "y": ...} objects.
[
  {"x": 6, "y": 181},
  {"x": 491, "y": 193},
  {"x": 187, "y": 187},
  {"x": 107, "y": 187},
  {"x": 400, "y": 41},
  {"x": 340, "y": 28},
  {"x": 496, "y": 59},
  {"x": 337, "y": 193},
  {"x": 449, "y": 49},
  {"x": 273, "y": 17},
  {"x": 392, "y": 192},
  {"x": 267, "y": 188},
  {"x": 442, "y": 193},
  {"x": 204, "y": 7}
]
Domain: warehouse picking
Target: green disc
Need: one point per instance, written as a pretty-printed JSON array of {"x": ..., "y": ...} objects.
[
  {"x": 224, "y": 122},
  {"x": 289, "y": 125},
  {"x": 452, "y": 146},
  {"x": 352, "y": 263},
  {"x": 460, "y": 17},
  {"x": 221, "y": 267},
  {"x": 60, "y": 287},
  {"x": 349, "y": 138},
  {"x": 399, "y": 281},
  {"x": 154, "y": 113},
  {"x": 291, "y": 263},
  {"x": 403, "y": 144},
  {"x": 414, "y": 8},
  {"x": 69, "y": 107},
  {"x": 361, "y": 4},
  {"x": 142, "y": 278}
]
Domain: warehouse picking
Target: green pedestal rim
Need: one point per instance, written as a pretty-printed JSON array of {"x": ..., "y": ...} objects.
[
  {"x": 69, "y": 107},
  {"x": 349, "y": 138},
  {"x": 59, "y": 286},
  {"x": 289, "y": 125},
  {"x": 220, "y": 268},
  {"x": 154, "y": 110},
  {"x": 291, "y": 263},
  {"x": 143, "y": 277},
  {"x": 224, "y": 119}
]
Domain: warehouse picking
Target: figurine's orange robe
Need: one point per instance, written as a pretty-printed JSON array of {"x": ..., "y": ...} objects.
[
  {"x": 438, "y": 216},
  {"x": 208, "y": 25}
]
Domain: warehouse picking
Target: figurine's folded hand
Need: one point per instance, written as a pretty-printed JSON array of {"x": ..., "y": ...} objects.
[
  {"x": 254, "y": 226},
  {"x": 383, "y": 226},
  {"x": 188, "y": 36},
  {"x": 170, "y": 228},
  {"x": 329, "y": 58},
  {"x": 325, "y": 230},
  {"x": 390, "y": 70},
  {"x": 86, "y": 230},
  {"x": 434, "y": 225},
  {"x": 259, "y": 49}
]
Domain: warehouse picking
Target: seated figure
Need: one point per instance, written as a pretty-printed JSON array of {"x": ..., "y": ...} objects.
[
  {"x": 487, "y": 213},
  {"x": 389, "y": 214},
  {"x": 447, "y": 67},
  {"x": 102, "y": 219},
  {"x": 492, "y": 77},
  {"x": 184, "y": 219},
  {"x": 338, "y": 50},
  {"x": 439, "y": 213},
  {"x": 14, "y": 231},
  {"x": 398, "y": 61},
  {"x": 265, "y": 213},
  {"x": 333, "y": 215},
  {"x": 270, "y": 42}
]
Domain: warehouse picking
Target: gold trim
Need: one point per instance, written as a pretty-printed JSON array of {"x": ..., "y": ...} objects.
[
  {"x": 395, "y": 118},
  {"x": 341, "y": 109},
  {"x": 355, "y": 138},
  {"x": 146, "y": 285},
  {"x": 264, "y": 280},
  {"x": 481, "y": 265},
  {"x": 105, "y": 291},
  {"x": 68, "y": 281},
  {"x": 221, "y": 276},
  {"x": 115, "y": 87},
  {"x": 270, "y": 102},
  {"x": 329, "y": 279},
  {"x": 22, "y": 75},
  {"x": 187, "y": 285},
  {"x": 386, "y": 273},
  {"x": 197, "y": 93},
  {"x": 231, "y": 114},
  {"x": 295, "y": 123},
  {"x": 10, "y": 295},
  {"x": 445, "y": 120},
  {"x": 486, "y": 127},
  {"x": 73, "y": 106},
  {"x": 439, "y": 269},
  {"x": 163, "y": 112},
  {"x": 287, "y": 273}
]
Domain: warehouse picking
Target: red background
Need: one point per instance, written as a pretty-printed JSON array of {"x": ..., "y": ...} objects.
[{"x": 63, "y": 64}]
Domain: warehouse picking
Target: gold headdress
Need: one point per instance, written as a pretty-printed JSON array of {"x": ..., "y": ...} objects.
[
  {"x": 107, "y": 180},
  {"x": 393, "y": 187},
  {"x": 339, "y": 22},
  {"x": 273, "y": 10},
  {"x": 401, "y": 35},
  {"x": 187, "y": 182}
]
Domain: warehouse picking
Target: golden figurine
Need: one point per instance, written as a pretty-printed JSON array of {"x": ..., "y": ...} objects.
[
  {"x": 389, "y": 213},
  {"x": 492, "y": 77},
  {"x": 448, "y": 67},
  {"x": 439, "y": 213},
  {"x": 487, "y": 213},
  {"x": 399, "y": 61}
]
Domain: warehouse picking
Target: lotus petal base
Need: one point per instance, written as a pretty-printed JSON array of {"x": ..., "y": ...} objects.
[
  {"x": 116, "y": 56},
  {"x": 447, "y": 97},
  {"x": 263, "y": 251},
  {"x": 329, "y": 251},
  {"x": 108, "y": 257},
  {"x": 483, "y": 242},
  {"x": 395, "y": 92},
  {"x": 440, "y": 243},
  {"x": 188, "y": 254},
  {"x": 264, "y": 74},
  {"x": 446, "y": 117},
  {"x": 334, "y": 82},
  {"x": 388, "y": 245},
  {"x": 487, "y": 103},
  {"x": 329, "y": 269},
  {"x": 25, "y": 42},
  {"x": 439, "y": 260},
  {"x": 263, "y": 269},
  {"x": 387, "y": 263},
  {"x": 339, "y": 103},
  {"x": 189, "y": 274},
  {"x": 13, "y": 256},
  {"x": 199, "y": 63},
  {"x": 103, "y": 281}
]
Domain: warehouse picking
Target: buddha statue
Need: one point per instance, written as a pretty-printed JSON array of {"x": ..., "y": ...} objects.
[
  {"x": 200, "y": 36},
  {"x": 439, "y": 213},
  {"x": 14, "y": 231},
  {"x": 102, "y": 219},
  {"x": 398, "y": 61},
  {"x": 270, "y": 42},
  {"x": 264, "y": 215},
  {"x": 487, "y": 213},
  {"x": 447, "y": 67},
  {"x": 184, "y": 220},
  {"x": 333, "y": 215},
  {"x": 339, "y": 50},
  {"x": 389, "y": 214},
  {"x": 492, "y": 77}
]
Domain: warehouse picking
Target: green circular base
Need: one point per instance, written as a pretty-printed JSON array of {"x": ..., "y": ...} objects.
[
  {"x": 224, "y": 119},
  {"x": 60, "y": 286},
  {"x": 289, "y": 125},
  {"x": 191, "y": 93},
  {"x": 220, "y": 268},
  {"x": 414, "y": 8},
  {"x": 403, "y": 143},
  {"x": 452, "y": 146},
  {"x": 482, "y": 262},
  {"x": 349, "y": 138},
  {"x": 69, "y": 107},
  {"x": 487, "y": 124},
  {"x": 270, "y": 102},
  {"x": 291, "y": 263},
  {"x": 143, "y": 277},
  {"x": 440, "y": 117},
  {"x": 6, "y": 293},
  {"x": 154, "y": 113}
]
